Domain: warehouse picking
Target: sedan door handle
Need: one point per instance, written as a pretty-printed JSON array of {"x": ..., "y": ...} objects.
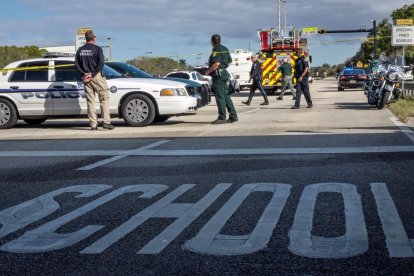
[
  {"x": 58, "y": 87},
  {"x": 14, "y": 87}
]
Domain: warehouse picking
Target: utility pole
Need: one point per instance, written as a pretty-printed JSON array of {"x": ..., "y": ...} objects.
[
  {"x": 110, "y": 48},
  {"x": 374, "y": 26}
]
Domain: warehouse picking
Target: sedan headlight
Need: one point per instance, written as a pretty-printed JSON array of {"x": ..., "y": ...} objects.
[{"x": 173, "y": 92}]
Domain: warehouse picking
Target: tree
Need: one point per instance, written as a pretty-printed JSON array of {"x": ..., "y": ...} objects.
[
  {"x": 158, "y": 66},
  {"x": 383, "y": 39},
  {"x": 10, "y": 54}
]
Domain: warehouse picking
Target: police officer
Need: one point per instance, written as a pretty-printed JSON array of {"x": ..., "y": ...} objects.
[
  {"x": 218, "y": 62},
  {"x": 286, "y": 71},
  {"x": 89, "y": 62},
  {"x": 302, "y": 85},
  {"x": 256, "y": 75}
]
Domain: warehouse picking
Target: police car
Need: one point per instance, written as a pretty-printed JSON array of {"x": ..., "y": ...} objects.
[{"x": 51, "y": 87}]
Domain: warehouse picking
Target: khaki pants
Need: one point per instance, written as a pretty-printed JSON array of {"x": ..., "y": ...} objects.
[{"x": 99, "y": 86}]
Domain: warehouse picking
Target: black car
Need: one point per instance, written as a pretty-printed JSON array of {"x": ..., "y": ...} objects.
[{"x": 351, "y": 78}]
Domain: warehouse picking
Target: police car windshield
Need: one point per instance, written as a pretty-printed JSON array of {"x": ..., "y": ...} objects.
[{"x": 111, "y": 73}]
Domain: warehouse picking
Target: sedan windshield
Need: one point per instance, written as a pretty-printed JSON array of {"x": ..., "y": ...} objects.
[{"x": 354, "y": 72}]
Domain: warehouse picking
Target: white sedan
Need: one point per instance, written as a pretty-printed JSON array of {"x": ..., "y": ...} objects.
[{"x": 37, "y": 89}]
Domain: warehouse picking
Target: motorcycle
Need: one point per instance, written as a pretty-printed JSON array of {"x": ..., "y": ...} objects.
[{"x": 383, "y": 85}]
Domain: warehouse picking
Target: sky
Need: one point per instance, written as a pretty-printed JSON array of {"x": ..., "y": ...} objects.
[{"x": 181, "y": 29}]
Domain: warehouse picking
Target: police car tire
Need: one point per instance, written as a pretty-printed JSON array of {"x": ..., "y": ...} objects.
[
  {"x": 133, "y": 116},
  {"x": 32, "y": 122},
  {"x": 8, "y": 114}
]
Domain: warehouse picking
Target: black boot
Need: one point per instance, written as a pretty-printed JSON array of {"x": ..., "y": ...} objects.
[{"x": 246, "y": 103}]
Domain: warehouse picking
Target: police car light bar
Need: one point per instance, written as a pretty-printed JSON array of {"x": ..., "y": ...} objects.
[{"x": 57, "y": 54}]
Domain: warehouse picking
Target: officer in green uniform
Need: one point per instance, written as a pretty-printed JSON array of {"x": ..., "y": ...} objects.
[{"x": 218, "y": 62}]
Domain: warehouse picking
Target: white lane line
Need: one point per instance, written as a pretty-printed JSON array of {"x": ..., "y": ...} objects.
[
  {"x": 115, "y": 158},
  {"x": 251, "y": 111},
  {"x": 404, "y": 129},
  {"x": 209, "y": 152}
]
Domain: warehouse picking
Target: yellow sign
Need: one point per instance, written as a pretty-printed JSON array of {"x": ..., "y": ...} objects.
[
  {"x": 310, "y": 30},
  {"x": 401, "y": 22},
  {"x": 360, "y": 64},
  {"x": 82, "y": 31}
]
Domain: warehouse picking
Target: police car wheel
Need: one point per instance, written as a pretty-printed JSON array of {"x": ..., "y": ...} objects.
[
  {"x": 32, "y": 122},
  {"x": 138, "y": 110},
  {"x": 8, "y": 114}
]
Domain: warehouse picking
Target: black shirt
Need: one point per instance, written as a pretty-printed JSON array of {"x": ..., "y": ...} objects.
[
  {"x": 300, "y": 65},
  {"x": 89, "y": 59},
  {"x": 256, "y": 70}
]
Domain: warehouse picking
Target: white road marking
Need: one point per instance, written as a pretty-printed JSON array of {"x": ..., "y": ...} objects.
[
  {"x": 251, "y": 111},
  {"x": 45, "y": 238},
  {"x": 398, "y": 243},
  {"x": 404, "y": 129},
  {"x": 210, "y": 241},
  {"x": 115, "y": 158},
  {"x": 209, "y": 152},
  {"x": 353, "y": 243}
]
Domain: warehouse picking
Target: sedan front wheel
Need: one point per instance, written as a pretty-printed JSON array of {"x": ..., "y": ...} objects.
[{"x": 138, "y": 110}]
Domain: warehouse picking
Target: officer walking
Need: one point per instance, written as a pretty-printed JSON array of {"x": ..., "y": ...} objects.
[
  {"x": 302, "y": 85},
  {"x": 286, "y": 70},
  {"x": 89, "y": 62},
  {"x": 218, "y": 62},
  {"x": 256, "y": 75}
]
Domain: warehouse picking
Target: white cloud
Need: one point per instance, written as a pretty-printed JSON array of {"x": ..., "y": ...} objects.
[{"x": 190, "y": 22}]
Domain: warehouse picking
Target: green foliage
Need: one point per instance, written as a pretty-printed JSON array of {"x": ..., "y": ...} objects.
[
  {"x": 158, "y": 66},
  {"x": 383, "y": 39},
  {"x": 10, "y": 54},
  {"x": 326, "y": 70}
]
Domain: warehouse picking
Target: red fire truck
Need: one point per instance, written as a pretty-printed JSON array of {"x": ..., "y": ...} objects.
[{"x": 273, "y": 48}]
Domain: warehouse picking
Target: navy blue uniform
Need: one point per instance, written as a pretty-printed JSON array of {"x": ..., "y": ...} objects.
[
  {"x": 256, "y": 75},
  {"x": 302, "y": 86}
]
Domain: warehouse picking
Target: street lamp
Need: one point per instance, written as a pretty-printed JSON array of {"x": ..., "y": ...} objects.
[
  {"x": 374, "y": 28},
  {"x": 110, "y": 48}
]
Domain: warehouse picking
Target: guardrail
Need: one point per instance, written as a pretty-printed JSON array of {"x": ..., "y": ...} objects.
[{"x": 408, "y": 91}]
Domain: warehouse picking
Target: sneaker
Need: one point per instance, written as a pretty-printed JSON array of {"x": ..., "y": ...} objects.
[
  {"x": 310, "y": 105},
  {"x": 265, "y": 103},
  {"x": 279, "y": 98},
  {"x": 293, "y": 98},
  {"x": 94, "y": 128},
  {"x": 295, "y": 107},
  {"x": 108, "y": 126},
  {"x": 246, "y": 103},
  {"x": 232, "y": 120}
]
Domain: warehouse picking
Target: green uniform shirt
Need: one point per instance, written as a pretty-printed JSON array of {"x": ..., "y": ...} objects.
[
  {"x": 220, "y": 54},
  {"x": 286, "y": 69}
]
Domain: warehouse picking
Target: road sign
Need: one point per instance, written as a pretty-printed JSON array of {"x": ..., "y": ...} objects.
[
  {"x": 402, "y": 22},
  {"x": 310, "y": 31},
  {"x": 80, "y": 37},
  {"x": 402, "y": 35},
  {"x": 82, "y": 31}
]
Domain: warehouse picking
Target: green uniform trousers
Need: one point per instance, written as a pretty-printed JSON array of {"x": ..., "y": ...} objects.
[{"x": 223, "y": 99}]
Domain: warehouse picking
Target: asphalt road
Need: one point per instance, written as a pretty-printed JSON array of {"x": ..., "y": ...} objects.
[{"x": 328, "y": 190}]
